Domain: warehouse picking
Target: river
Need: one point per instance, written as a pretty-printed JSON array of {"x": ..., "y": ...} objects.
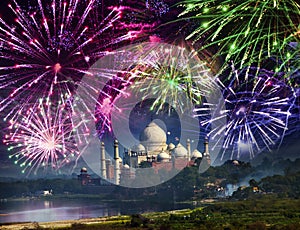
[{"x": 60, "y": 209}]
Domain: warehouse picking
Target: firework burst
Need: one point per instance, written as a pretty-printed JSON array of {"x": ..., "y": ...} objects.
[
  {"x": 140, "y": 80},
  {"x": 52, "y": 45},
  {"x": 257, "y": 112},
  {"x": 173, "y": 74},
  {"x": 42, "y": 137},
  {"x": 169, "y": 74},
  {"x": 244, "y": 32},
  {"x": 289, "y": 63}
]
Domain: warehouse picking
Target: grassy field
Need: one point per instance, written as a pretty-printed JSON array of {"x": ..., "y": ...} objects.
[{"x": 266, "y": 212}]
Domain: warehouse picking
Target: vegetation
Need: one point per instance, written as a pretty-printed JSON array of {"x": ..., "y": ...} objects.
[
  {"x": 268, "y": 203},
  {"x": 31, "y": 187},
  {"x": 185, "y": 186},
  {"x": 266, "y": 212}
]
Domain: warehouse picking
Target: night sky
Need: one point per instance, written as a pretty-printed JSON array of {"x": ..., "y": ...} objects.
[{"x": 163, "y": 15}]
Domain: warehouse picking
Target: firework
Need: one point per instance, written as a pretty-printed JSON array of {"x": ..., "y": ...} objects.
[
  {"x": 167, "y": 73},
  {"x": 257, "y": 112},
  {"x": 52, "y": 45},
  {"x": 159, "y": 7},
  {"x": 158, "y": 79},
  {"x": 289, "y": 63},
  {"x": 42, "y": 137},
  {"x": 177, "y": 70},
  {"x": 244, "y": 32}
]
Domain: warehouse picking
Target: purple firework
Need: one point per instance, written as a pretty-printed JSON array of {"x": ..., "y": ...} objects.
[
  {"x": 258, "y": 106},
  {"x": 51, "y": 45}
]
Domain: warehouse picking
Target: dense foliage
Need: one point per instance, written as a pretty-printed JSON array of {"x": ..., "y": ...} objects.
[{"x": 186, "y": 185}]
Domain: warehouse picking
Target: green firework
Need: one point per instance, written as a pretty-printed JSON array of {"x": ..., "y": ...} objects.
[
  {"x": 244, "y": 31},
  {"x": 289, "y": 62}
]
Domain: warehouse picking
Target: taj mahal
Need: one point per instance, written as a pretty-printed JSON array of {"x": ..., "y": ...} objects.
[{"x": 153, "y": 152}]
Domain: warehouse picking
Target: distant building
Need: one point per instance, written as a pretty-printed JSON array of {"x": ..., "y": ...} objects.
[
  {"x": 94, "y": 185},
  {"x": 152, "y": 151},
  {"x": 84, "y": 177},
  {"x": 43, "y": 193}
]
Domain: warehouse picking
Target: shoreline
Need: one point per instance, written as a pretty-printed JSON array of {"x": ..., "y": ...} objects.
[
  {"x": 58, "y": 224},
  {"x": 261, "y": 213},
  {"x": 85, "y": 221}
]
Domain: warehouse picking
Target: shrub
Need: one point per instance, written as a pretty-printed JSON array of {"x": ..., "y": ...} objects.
[{"x": 256, "y": 226}]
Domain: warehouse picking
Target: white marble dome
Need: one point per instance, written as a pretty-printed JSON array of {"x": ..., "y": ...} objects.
[
  {"x": 171, "y": 146},
  {"x": 196, "y": 154},
  {"x": 235, "y": 162},
  {"x": 163, "y": 156},
  {"x": 205, "y": 154},
  {"x": 83, "y": 170},
  {"x": 153, "y": 138},
  {"x": 126, "y": 166},
  {"x": 180, "y": 151},
  {"x": 138, "y": 148}
]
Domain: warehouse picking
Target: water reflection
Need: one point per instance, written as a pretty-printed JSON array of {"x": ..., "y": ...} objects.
[
  {"x": 39, "y": 210},
  {"x": 47, "y": 204},
  {"x": 42, "y": 210}
]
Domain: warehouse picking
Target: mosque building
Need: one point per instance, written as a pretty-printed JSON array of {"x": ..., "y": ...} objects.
[{"x": 152, "y": 151}]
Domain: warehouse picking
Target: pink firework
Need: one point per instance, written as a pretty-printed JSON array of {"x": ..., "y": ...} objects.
[{"x": 43, "y": 137}]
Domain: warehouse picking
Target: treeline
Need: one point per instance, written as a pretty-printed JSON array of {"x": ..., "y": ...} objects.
[
  {"x": 267, "y": 212},
  {"x": 189, "y": 183},
  {"x": 287, "y": 185},
  {"x": 284, "y": 186},
  {"x": 186, "y": 185},
  {"x": 181, "y": 187},
  {"x": 31, "y": 187}
]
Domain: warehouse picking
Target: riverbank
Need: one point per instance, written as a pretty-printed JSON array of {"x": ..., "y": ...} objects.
[
  {"x": 115, "y": 222},
  {"x": 266, "y": 212},
  {"x": 67, "y": 224},
  {"x": 50, "y": 210}
]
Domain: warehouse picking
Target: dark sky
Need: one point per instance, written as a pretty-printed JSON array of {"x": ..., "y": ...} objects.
[
  {"x": 7, "y": 166},
  {"x": 290, "y": 146}
]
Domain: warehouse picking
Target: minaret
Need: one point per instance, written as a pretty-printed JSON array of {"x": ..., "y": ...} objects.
[
  {"x": 108, "y": 169},
  {"x": 103, "y": 163},
  {"x": 129, "y": 152},
  {"x": 206, "y": 153},
  {"x": 117, "y": 162},
  {"x": 129, "y": 158},
  {"x": 188, "y": 146}
]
